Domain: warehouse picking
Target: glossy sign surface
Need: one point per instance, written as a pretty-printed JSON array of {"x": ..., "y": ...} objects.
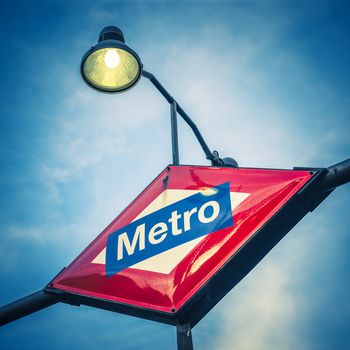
[{"x": 206, "y": 213}]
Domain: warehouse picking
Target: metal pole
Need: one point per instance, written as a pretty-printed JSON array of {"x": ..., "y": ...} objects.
[
  {"x": 174, "y": 135},
  {"x": 337, "y": 175},
  {"x": 184, "y": 337},
  {"x": 26, "y": 306},
  {"x": 213, "y": 157}
]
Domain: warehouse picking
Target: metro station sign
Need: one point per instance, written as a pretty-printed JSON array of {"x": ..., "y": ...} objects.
[{"x": 184, "y": 242}]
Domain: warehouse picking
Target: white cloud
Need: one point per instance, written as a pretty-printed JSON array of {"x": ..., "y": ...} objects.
[{"x": 263, "y": 316}]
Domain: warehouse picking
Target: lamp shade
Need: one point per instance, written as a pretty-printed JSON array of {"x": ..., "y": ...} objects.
[{"x": 111, "y": 66}]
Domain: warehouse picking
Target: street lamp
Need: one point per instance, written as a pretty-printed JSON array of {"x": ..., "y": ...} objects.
[{"x": 111, "y": 66}]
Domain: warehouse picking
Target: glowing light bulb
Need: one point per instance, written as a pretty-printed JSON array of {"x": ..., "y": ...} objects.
[{"x": 112, "y": 59}]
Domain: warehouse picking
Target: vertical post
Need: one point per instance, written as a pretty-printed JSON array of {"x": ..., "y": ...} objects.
[
  {"x": 174, "y": 136},
  {"x": 184, "y": 337}
]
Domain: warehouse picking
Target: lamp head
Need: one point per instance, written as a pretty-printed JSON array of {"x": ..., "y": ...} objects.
[{"x": 111, "y": 66}]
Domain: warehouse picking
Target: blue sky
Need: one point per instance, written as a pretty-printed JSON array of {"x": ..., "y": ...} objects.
[{"x": 267, "y": 82}]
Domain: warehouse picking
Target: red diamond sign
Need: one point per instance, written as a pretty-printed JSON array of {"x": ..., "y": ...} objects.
[{"x": 170, "y": 255}]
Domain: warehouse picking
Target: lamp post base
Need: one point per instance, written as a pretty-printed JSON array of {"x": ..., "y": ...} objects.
[{"x": 184, "y": 337}]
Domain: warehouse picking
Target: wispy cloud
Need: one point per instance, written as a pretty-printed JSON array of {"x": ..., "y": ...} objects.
[{"x": 263, "y": 317}]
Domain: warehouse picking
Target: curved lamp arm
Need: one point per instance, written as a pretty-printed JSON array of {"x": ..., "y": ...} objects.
[{"x": 176, "y": 108}]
